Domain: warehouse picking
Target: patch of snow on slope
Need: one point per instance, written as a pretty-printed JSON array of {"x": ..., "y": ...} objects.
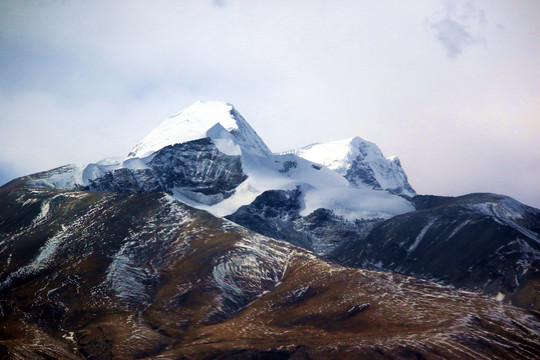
[
  {"x": 127, "y": 278},
  {"x": 43, "y": 259},
  {"x": 65, "y": 177},
  {"x": 420, "y": 237},
  {"x": 351, "y": 203},
  {"x": 524, "y": 231},
  {"x": 458, "y": 228},
  {"x": 43, "y": 213},
  {"x": 506, "y": 211},
  {"x": 504, "y": 208},
  {"x": 255, "y": 265}
]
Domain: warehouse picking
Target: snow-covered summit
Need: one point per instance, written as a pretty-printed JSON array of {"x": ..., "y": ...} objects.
[
  {"x": 209, "y": 157},
  {"x": 216, "y": 120},
  {"x": 361, "y": 162}
]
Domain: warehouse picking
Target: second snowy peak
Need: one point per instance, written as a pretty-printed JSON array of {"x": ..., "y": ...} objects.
[{"x": 361, "y": 162}]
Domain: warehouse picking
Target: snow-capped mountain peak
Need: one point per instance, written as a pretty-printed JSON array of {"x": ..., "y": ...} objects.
[
  {"x": 209, "y": 157},
  {"x": 361, "y": 162},
  {"x": 202, "y": 120}
]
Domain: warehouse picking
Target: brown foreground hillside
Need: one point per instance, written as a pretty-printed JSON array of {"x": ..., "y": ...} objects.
[{"x": 118, "y": 276}]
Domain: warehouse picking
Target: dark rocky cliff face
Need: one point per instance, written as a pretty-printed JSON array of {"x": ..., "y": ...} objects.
[
  {"x": 102, "y": 275},
  {"x": 276, "y": 213},
  {"x": 197, "y": 167},
  {"x": 360, "y": 173},
  {"x": 273, "y": 214}
]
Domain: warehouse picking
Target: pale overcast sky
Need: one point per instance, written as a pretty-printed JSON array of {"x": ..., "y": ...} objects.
[{"x": 451, "y": 87}]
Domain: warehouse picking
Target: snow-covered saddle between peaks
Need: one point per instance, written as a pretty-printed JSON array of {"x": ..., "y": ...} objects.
[{"x": 209, "y": 157}]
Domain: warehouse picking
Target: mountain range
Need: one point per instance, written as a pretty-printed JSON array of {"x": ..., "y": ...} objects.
[{"x": 203, "y": 244}]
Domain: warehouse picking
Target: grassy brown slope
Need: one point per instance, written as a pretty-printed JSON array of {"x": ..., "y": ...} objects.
[
  {"x": 400, "y": 317},
  {"x": 71, "y": 307}
]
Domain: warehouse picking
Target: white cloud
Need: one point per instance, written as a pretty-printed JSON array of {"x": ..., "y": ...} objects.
[
  {"x": 459, "y": 26},
  {"x": 453, "y": 36},
  {"x": 219, "y": 3}
]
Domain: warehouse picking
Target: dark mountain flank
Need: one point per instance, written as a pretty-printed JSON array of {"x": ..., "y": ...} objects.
[{"x": 483, "y": 242}]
